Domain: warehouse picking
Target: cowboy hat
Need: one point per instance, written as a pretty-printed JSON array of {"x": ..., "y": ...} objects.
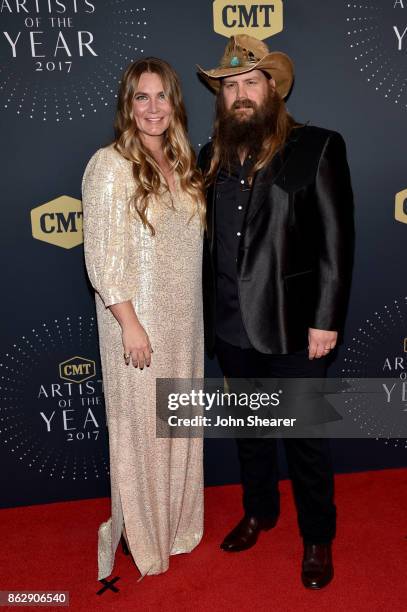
[{"x": 244, "y": 53}]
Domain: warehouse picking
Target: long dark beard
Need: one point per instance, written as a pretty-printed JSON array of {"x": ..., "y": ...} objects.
[{"x": 245, "y": 133}]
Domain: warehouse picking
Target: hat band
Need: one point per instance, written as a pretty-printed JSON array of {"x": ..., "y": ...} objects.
[{"x": 236, "y": 62}]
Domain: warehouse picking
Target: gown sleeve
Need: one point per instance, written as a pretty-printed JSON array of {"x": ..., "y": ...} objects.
[{"x": 106, "y": 226}]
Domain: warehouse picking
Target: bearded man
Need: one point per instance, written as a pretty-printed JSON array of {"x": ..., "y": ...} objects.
[{"x": 277, "y": 271}]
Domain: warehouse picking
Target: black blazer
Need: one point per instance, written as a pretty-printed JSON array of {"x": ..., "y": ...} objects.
[{"x": 296, "y": 250}]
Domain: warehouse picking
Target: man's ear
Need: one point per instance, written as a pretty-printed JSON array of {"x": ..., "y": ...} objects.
[{"x": 272, "y": 84}]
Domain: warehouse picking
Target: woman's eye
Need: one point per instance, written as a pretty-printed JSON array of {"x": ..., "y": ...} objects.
[
  {"x": 162, "y": 96},
  {"x": 140, "y": 98}
]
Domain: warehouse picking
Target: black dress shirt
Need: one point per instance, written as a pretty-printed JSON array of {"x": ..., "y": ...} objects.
[{"x": 232, "y": 197}]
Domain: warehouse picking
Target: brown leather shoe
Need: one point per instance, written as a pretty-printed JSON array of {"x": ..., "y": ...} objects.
[
  {"x": 317, "y": 567},
  {"x": 246, "y": 533}
]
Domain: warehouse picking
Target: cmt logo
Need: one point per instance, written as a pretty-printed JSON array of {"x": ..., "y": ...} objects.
[
  {"x": 405, "y": 345},
  {"x": 77, "y": 369},
  {"x": 58, "y": 222},
  {"x": 260, "y": 19},
  {"x": 400, "y": 212}
]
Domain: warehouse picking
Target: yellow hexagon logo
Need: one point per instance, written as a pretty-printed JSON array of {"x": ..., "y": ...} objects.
[
  {"x": 77, "y": 369},
  {"x": 59, "y": 222},
  {"x": 400, "y": 211},
  {"x": 261, "y": 19}
]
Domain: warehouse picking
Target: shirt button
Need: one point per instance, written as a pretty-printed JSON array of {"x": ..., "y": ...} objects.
[
  {"x": 242, "y": 181},
  {"x": 238, "y": 234},
  {"x": 240, "y": 207}
]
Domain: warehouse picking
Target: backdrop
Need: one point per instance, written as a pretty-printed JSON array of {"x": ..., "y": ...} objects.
[{"x": 61, "y": 62}]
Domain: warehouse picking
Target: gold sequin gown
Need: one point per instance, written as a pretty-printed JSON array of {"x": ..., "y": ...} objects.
[{"x": 156, "y": 484}]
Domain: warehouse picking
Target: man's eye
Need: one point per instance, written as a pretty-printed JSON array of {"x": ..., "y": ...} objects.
[
  {"x": 229, "y": 85},
  {"x": 252, "y": 82}
]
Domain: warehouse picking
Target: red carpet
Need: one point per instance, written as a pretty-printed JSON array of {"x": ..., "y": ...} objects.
[{"x": 53, "y": 547}]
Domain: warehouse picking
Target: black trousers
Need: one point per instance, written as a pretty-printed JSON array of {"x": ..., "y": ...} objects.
[{"x": 309, "y": 460}]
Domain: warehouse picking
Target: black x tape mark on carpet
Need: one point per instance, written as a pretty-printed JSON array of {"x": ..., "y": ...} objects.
[{"x": 109, "y": 585}]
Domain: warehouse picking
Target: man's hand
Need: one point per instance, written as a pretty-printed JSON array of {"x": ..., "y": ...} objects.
[{"x": 320, "y": 342}]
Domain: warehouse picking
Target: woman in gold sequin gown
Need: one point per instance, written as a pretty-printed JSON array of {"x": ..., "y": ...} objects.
[{"x": 143, "y": 216}]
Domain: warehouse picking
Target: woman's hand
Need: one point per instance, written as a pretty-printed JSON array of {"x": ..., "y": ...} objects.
[{"x": 136, "y": 344}]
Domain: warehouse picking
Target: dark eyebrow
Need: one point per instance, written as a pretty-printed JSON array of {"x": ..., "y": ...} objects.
[
  {"x": 248, "y": 79},
  {"x": 143, "y": 93}
]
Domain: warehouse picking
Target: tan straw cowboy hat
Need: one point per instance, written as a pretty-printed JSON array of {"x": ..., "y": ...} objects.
[{"x": 244, "y": 53}]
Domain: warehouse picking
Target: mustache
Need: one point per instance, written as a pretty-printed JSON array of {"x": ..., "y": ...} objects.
[{"x": 243, "y": 103}]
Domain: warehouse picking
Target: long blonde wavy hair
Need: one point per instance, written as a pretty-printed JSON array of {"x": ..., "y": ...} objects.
[{"x": 177, "y": 148}]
